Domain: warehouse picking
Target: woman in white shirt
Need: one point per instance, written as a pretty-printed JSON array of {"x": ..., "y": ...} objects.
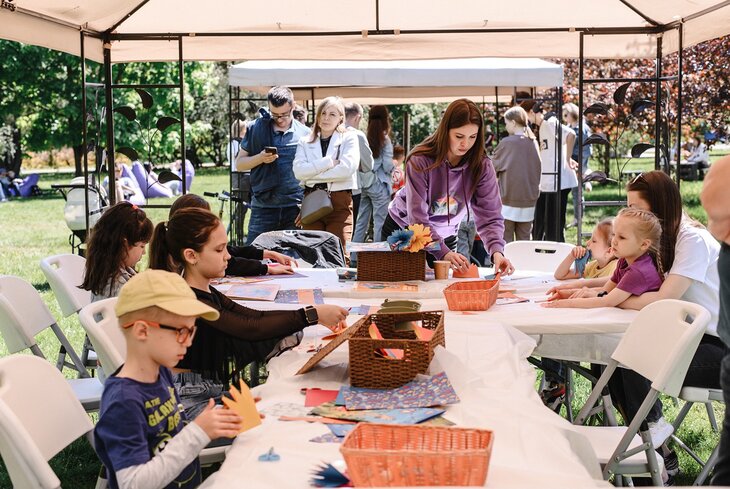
[{"x": 328, "y": 159}]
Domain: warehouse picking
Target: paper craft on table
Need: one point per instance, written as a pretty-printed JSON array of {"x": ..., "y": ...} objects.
[
  {"x": 419, "y": 393},
  {"x": 471, "y": 272},
  {"x": 244, "y": 405},
  {"x": 327, "y": 438},
  {"x": 300, "y": 296},
  {"x": 252, "y": 292},
  {"x": 341, "y": 430},
  {"x": 385, "y": 416},
  {"x": 364, "y": 309},
  {"x": 286, "y": 409},
  {"x": 315, "y": 397},
  {"x": 238, "y": 280},
  {"x": 505, "y": 298},
  {"x": 386, "y": 287}
]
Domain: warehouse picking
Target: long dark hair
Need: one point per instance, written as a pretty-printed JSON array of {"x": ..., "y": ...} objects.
[
  {"x": 459, "y": 113},
  {"x": 378, "y": 128},
  {"x": 187, "y": 201},
  {"x": 187, "y": 228},
  {"x": 662, "y": 194},
  {"x": 121, "y": 226}
]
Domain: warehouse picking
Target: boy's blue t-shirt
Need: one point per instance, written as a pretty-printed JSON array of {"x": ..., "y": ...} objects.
[{"x": 136, "y": 421}]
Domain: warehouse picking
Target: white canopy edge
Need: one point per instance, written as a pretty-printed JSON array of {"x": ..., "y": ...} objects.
[{"x": 56, "y": 25}]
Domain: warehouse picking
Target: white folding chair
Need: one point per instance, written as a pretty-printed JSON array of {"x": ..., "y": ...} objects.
[
  {"x": 102, "y": 327},
  {"x": 64, "y": 274},
  {"x": 539, "y": 256},
  {"x": 690, "y": 396},
  {"x": 37, "y": 420},
  {"x": 659, "y": 345},
  {"x": 23, "y": 315}
]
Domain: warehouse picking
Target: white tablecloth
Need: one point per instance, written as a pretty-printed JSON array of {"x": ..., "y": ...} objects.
[{"x": 485, "y": 361}]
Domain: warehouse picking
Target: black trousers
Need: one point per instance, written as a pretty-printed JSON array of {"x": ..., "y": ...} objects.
[
  {"x": 544, "y": 228},
  {"x": 390, "y": 225},
  {"x": 722, "y": 468}
]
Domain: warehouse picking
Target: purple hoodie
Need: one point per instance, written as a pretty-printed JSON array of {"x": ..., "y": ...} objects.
[{"x": 423, "y": 200}]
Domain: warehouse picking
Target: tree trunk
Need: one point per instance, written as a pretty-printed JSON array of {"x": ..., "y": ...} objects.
[
  {"x": 17, "y": 159},
  {"x": 78, "y": 160}
]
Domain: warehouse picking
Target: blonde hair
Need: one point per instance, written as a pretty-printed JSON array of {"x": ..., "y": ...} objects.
[
  {"x": 518, "y": 115},
  {"x": 571, "y": 110},
  {"x": 339, "y": 105},
  {"x": 647, "y": 226},
  {"x": 604, "y": 229}
]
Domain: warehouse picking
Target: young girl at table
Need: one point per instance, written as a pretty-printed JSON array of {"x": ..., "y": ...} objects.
[
  {"x": 448, "y": 176},
  {"x": 601, "y": 259},
  {"x": 193, "y": 243},
  {"x": 115, "y": 247},
  {"x": 636, "y": 238},
  {"x": 245, "y": 261}
]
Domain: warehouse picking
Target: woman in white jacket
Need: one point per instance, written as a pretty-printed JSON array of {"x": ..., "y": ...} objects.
[{"x": 328, "y": 159}]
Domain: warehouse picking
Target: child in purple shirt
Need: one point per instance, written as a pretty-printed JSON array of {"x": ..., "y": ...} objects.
[{"x": 635, "y": 242}]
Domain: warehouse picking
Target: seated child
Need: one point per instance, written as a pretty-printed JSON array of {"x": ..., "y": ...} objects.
[
  {"x": 636, "y": 235},
  {"x": 601, "y": 262},
  {"x": 143, "y": 437}
]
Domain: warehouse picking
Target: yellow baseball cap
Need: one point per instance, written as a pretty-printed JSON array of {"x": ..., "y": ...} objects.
[{"x": 166, "y": 290}]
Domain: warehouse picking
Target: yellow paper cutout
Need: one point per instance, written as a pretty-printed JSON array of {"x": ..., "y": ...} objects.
[{"x": 243, "y": 404}]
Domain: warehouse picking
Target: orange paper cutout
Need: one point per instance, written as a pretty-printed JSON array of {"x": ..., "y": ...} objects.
[{"x": 244, "y": 405}]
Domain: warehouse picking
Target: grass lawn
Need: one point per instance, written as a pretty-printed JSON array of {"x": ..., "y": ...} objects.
[{"x": 34, "y": 228}]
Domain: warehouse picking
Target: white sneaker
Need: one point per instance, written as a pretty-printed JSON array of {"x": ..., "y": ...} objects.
[{"x": 659, "y": 431}]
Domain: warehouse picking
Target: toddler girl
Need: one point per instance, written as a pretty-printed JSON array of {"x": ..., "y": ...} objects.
[{"x": 601, "y": 261}]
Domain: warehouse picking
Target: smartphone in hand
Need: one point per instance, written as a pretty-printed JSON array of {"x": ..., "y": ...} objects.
[{"x": 271, "y": 150}]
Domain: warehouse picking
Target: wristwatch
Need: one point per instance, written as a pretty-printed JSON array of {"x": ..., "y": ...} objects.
[
  {"x": 311, "y": 315},
  {"x": 602, "y": 293}
]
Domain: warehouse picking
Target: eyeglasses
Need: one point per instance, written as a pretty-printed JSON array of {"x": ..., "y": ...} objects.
[
  {"x": 182, "y": 333},
  {"x": 638, "y": 177},
  {"x": 281, "y": 116}
]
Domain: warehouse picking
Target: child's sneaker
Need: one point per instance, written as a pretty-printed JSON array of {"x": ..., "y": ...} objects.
[
  {"x": 553, "y": 395},
  {"x": 659, "y": 431},
  {"x": 671, "y": 464}
]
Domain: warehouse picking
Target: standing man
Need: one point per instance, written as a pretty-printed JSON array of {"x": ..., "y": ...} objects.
[
  {"x": 353, "y": 116},
  {"x": 716, "y": 201},
  {"x": 551, "y": 197},
  {"x": 276, "y": 193}
]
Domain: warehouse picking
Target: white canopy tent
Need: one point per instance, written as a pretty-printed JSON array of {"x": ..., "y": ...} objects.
[
  {"x": 399, "y": 82},
  {"x": 361, "y": 29}
]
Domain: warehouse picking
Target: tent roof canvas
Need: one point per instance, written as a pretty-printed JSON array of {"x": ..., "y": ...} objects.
[
  {"x": 361, "y": 30},
  {"x": 397, "y": 82}
]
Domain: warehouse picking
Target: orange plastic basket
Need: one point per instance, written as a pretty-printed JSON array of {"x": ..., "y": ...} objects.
[
  {"x": 379, "y": 455},
  {"x": 477, "y": 295}
]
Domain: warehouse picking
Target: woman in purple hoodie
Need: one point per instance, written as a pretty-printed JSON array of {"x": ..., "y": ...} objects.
[{"x": 448, "y": 176}]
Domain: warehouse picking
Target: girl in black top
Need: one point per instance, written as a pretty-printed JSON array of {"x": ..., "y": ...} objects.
[{"x": 193, "y": 243}]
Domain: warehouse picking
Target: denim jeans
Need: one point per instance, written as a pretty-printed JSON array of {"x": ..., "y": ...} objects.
[
  {"x": 374, "y": 202},
  {"x": 264, "y": 219},
  {"x": 465, "y": 238}
]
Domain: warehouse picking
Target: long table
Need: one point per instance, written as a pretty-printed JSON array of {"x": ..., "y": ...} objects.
[{"x": 485, "y": 360}]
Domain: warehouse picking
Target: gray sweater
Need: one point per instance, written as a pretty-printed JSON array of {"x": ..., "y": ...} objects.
[{"x": 517, "y": 163}]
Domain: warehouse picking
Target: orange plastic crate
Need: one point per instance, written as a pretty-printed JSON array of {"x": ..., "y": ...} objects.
[{"x": 477, "y": 295}]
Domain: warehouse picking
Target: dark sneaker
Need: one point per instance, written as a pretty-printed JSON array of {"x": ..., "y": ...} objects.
[
  {"x": 671, "y": 464},
  {"x": 553, "y": 395}
]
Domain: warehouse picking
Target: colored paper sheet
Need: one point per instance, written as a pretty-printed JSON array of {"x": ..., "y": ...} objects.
[
  {"x": 300, "y": 296},
  {"x": 327, "y": 438},
  {"x": 472, "y": 272},
  {"x": 242, "y": 402},
  {"x": 253, "y": 292},
  {"x": 341, "y": 430},
  {"x": 419, "y": 393},
  {"x": 386, "y": 416},
  {"x": 315, "y": 397},
  {"x": 286, "y": 409},
  {"x": 385, "y": 287}
]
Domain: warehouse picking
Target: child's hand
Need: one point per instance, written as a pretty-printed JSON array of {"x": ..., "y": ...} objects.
[
  {"x": 276, "y": 269},
  {"x": 572, "y": 285},
  {"x": 584, "y": 292},
  {"x": 280, "y": 258},
  {"x": 556, "y": 303},
  {"x": 579, "y": 252},
  {"x": 557, "y": 294},
  {"x": 218, "y": 422}
]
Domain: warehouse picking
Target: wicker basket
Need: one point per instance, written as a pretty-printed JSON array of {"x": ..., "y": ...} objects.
[
  {"x": 391, "y": 266},
  {"x": 368, "y": 369},
  {"x": 380, "y": 455},
  {"x": 477, "y": 295}
]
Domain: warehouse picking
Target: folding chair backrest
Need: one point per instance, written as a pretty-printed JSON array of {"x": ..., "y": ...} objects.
[
  {"x": 39, "y": 416},
  {"x": 661, "y": 341},
  {"x": 320, "y": 249},
  {"x": 101, "y": 325},
  {"x": 23, "y": 314},
  {"x": 539, "y": 256},
  {"x": 64, "y": 274}
]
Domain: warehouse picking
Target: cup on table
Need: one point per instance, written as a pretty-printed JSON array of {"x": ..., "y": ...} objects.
[{"x": 441, "y": 269}]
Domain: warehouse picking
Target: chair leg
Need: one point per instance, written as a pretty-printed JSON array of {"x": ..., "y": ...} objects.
[
  {"x": 77, "y": 363},
  {"x": 681, "y": 415},
  {"x": 568, "y": 393},
  {"x": 709, "y": 465},
  {"x": 711, "y": 416}
]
